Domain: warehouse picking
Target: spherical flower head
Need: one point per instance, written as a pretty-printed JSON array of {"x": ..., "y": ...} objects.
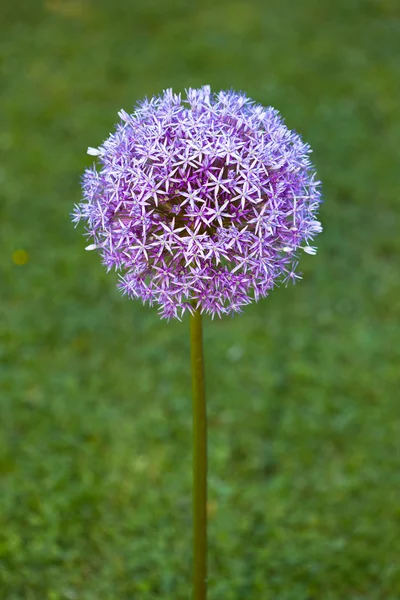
[{"x": 201, "y": 202}]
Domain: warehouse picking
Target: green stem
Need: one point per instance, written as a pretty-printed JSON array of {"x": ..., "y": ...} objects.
[{"x": 199, "y": 461}]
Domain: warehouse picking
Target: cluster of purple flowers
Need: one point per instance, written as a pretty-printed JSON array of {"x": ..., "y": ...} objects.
[{"x": 201, "y": 202}]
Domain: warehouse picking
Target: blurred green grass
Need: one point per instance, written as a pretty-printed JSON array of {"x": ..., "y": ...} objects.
[{"x": 303, "y": 388}]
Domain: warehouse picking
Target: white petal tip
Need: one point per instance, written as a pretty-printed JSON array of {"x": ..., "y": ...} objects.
[
  {"x": 91, "y": 247},
  {"x": 123, "y": 115},
  {"x": 93, "y": 151},
  {"x": 317, "y": 228},
  {"x": 310, "y": 250},
  {"x": 287, "y": 249}
]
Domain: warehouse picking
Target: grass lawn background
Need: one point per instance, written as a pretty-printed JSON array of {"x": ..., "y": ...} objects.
[{"x": 303, "y": 388}]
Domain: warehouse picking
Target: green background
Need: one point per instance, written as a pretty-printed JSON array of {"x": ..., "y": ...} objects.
[{"x": 303, "y": 388}]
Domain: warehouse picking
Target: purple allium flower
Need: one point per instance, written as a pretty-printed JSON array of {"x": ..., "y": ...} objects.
[{"x": 201, "y": 201}]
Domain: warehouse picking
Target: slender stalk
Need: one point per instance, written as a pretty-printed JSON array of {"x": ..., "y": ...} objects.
[{"x": 199, "y": 461}]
